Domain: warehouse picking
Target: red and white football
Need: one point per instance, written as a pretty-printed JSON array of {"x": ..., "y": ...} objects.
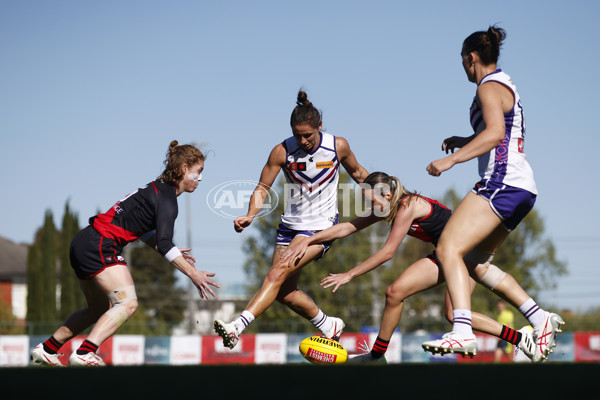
[{"x": 320, "y": 350}]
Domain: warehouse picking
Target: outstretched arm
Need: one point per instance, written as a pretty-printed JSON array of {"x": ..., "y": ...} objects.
[
  {"x": 398, "y": 233},
  {"x": 296, "y": 251},
  {"x": 267, "y": 177}
]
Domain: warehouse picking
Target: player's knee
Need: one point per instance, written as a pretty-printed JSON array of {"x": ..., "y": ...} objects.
[
  {"x": 394, "y": 294},
  {"x": 124, "y": 303}
]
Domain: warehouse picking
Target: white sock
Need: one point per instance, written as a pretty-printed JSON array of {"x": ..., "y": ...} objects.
[
  {"x": 534, "y": 314},
  {"x": 243, "y": 320},
  {"x": 322, "y": 322},
  {"x": 462, "y": 322}
]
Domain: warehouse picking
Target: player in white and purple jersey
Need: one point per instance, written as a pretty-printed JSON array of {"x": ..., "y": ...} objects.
[
  {"x": 310, "y": 161},
  {"x": 498, "y": 202}
]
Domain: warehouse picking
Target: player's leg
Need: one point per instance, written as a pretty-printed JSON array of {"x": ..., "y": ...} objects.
[
  {"x": 506, "y": 287},
  {"x": 472, "y": 222},
  {"x": 421, "y": 275},
  {"x": 97, "y": 304},
  {"x": 116, "y": 285},
  {"x": 266, "y": 295},
  {"x": 303, "y": 305}
]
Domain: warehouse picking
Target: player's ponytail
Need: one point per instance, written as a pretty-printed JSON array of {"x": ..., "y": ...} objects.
[
  {"x": 177, "y": 155},
  {"x": 486, "y": 43},
  {"x": 398, "y": 191},
  {"x": 305, "y": 112}
]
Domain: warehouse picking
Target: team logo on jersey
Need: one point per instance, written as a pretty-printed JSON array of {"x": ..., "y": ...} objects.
[
  {"x": 297, "y": 166},
  {"x": 521, "y": 145},
  {"x": 325, "y": 164}
]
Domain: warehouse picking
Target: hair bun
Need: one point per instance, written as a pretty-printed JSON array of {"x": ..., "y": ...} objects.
[
  {"x": 172, "y": 146},
  {"x": 302, "y": 99}
]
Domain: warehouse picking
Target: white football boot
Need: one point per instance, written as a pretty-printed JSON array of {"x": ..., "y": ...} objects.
[
  {"x": 86, "y": 360},
  {"x": 228, "y": 332},
  {"x": 453, "y": 343},
  {"x": 336, "y": 330},
  {"x": 39, "y": 356},
  {"x": 527, "y": 343},
  {"x": 545, "y": 336}
]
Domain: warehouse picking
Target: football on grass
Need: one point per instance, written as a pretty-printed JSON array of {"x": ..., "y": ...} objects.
[{"x": 320, "y": 350}]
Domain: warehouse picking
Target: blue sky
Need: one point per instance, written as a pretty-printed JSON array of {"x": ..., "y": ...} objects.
[{"x": 91, "y": 93}]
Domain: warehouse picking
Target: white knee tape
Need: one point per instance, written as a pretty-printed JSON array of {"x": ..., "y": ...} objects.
[
  {"x": 479, "y": 257},
  {"x": 492, "y": 277},
  {"x": 118, "y": 297}
]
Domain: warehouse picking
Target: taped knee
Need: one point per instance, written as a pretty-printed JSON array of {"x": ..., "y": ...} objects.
[
  {"x": 119, "y": 298},
  {"x": 492, "y": 277},
  {"x": 479, "y": 257}
]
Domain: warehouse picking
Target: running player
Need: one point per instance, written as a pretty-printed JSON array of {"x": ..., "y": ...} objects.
[
  {"x": 310, "y": 161},
  {"x": 149, "y": 214},
  {"x": 421, "y": 217},
  {"x": 500, "y": 200}
]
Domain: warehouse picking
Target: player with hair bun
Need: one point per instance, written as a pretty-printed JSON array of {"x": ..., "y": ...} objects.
[
  {"x": 500, "y": 200},
  {"x": 148, "y": 214},
  {"x": 409, "y": 213},
  {"x": 310, "y": 162}
]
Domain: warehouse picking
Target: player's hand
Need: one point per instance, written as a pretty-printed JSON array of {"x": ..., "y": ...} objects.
[
  {"x": 242, "y": 222},
  {"x": 454, "y": 142},
  {"x": 203, "y": 282},
  {"x": 188, "y": 257},
  {"x": 294, "y": 252},
  {"x": 436, "y": 168},
  {"x": 335, "y": 280}
]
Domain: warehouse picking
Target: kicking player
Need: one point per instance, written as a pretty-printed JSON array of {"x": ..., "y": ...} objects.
[{"x": 310, "y": 161}]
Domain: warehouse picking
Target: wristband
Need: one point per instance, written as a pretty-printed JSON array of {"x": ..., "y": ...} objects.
[{"x": 172, "y": 254}]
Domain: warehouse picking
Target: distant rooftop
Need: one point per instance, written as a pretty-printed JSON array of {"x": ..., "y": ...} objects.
[{"x": 13, "y": 259}]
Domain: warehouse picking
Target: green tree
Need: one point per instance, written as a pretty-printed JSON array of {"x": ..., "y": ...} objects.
[{"x": 71, "y": 297}]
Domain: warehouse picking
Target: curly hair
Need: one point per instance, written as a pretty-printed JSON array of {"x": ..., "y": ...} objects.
[{"x": 177, "y": 155}]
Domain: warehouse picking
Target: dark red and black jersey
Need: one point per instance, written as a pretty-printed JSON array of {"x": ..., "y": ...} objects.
[
  {"x": 429, "y": 228},
  {"x": 153, "y": 207}
]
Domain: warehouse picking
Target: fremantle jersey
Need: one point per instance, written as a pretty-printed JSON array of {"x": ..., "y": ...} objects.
[
  {"x": 312, "y": 185},
  {"x": 506, "y": 163},
  {"x": 153, "y": 207},
  {"x": 430, "y": 227}
]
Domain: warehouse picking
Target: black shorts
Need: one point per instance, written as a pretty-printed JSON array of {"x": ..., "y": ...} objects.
[
  {"x": 91, "y": 253},
  {"x": 433, "y": 257}
]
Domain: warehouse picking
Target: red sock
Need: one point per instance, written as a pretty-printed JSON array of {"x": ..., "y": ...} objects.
[
  {"x": 87, "y": 347},
  {"x": 379, "y": 348}
]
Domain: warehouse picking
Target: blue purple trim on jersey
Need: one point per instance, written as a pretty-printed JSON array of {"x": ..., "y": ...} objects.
[
  {"x": 285, "y": 236},
  {"x": 511, "y": 204}
]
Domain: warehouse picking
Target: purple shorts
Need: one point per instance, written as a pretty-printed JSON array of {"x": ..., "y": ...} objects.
[
  {"x": 511, "y": 204},
  {"x": 285, "y": 236}
]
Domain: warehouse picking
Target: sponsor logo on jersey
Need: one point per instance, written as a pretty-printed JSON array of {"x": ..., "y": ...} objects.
[
  {"x": 325, "y": 164},
  {"x": 521, "y": 145}
]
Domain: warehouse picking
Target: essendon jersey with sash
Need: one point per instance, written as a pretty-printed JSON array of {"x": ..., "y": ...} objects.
[
  {"x": 312, "y": 185},
  {"x": 430, "y": 227},
  {"x": 153, "y": 207}
]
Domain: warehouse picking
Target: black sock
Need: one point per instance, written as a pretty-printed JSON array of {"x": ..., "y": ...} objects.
[
  {"x": 52, "y": 345},
  {"x": 379, "y": 348},
  {"x": 87, "y": 347},
  {"x": 510, "y": 335}
]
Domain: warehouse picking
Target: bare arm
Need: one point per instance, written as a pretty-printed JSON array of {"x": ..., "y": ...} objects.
[
  {"x": 296, "y": 251},
  {"x": 274, "y": 163},
  {"x": 398, "y": 233},
  {"x": 201, "y": 279},
  {"x": 348, "y": 160},
  {"x": 494, "y": 99}
]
